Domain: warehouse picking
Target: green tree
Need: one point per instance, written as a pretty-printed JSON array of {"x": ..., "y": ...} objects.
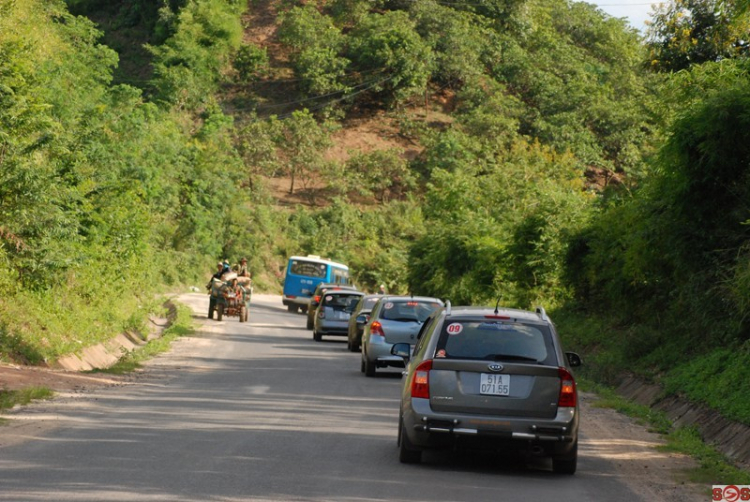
[
  {"x": 317, "y": 46},
  {"x": 384, "y": 173},
  {"x": 301, "y": 144},
  {"x": 388, "y": 47},
  {"x": 689, "y": 32}
]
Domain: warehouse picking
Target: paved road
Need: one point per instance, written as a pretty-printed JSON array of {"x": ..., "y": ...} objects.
[{"x": 259, "y": 411}]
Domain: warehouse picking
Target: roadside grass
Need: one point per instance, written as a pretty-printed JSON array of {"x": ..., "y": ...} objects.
[
  {"x": 182, "y": 325},
  {"x": 11, "y": 398},
  {"x": 714, "y": 468},
  {"x": 717, "y": 377}
]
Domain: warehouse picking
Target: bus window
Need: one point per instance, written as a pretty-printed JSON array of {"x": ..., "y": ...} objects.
[{"x": 340, "y": 276}]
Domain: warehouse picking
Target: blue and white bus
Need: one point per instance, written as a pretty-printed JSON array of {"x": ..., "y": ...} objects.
[{"x": 304, "y": 273}]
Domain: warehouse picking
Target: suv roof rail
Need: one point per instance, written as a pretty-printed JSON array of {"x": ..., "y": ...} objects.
[
  {"x": 447, "y": 307},
  {"x": 542, "y": 313}
]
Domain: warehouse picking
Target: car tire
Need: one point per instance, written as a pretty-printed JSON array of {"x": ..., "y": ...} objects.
[
  {"x": 292, "y": 308},
  {"x": 369, "y": 367},
  {"x": 566, "y": 465},
  {"x": 317, "y": 336},
  {"x": 407, "y": 452}
]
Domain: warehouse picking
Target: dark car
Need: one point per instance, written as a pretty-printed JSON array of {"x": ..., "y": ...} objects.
[
  {"x": 360, "y": 317},
  {"x": 497, "y": 379},
  {"x": 394, "y": 319},
  {"x": 315, "y": 300},
  {"x": 332, "y": 315}
]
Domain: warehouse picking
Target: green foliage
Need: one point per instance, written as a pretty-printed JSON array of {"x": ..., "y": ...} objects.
[
  {"x": 383, "y": 173},
  {"x": 690, "y": 32},
  {"x": 317, "y": 46},
  {"x": 719, "y": 379},
  {"x": 583, "y": 84},
  {"x": 390, "y": 45},
  {"x": 301, "y": 143},
  {"x": 189, "y": 65},
  {"x": 498, "y": 230},
  {"x": 460, "y": 41},
  {"x": 104, "y": 198},
  {"x": 250, "y": 62}
]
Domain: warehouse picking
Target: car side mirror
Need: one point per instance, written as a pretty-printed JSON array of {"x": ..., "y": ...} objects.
[
  {"x": 574, "y": 359},
  {"x": 402, "y": 350},
  {"x": 362, "y": 319}
]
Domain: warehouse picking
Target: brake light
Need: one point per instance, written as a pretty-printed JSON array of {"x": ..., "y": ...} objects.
[
  {"x": 376, "y": 329},
  {"x": 420, "y": 384},
  {"x": 412, "y": 304},
  {"x": 316, "y": 299},
  {"x": 567, "y": 397}
]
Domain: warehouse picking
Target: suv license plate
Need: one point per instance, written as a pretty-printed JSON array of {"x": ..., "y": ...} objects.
[{"x": 494, "y": 385}]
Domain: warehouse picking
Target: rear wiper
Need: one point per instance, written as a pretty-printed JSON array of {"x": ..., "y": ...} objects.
[
  {"x": 405, "y": 319},
  {"x": 510, "y": 357}
]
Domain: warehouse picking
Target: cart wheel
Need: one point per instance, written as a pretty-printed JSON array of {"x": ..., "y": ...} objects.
[{"x": 220, "y": 313}]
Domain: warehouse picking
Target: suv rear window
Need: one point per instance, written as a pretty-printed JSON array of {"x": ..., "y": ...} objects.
[
  {"x": 340, "y": 301},
  {"x": 496, "y": 341},
  {"x": 413, "y": 310}
]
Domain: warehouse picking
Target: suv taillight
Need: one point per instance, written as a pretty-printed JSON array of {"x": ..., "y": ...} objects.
[
  {"x": 567, "y": 397},
  {"x": 420, "y": 384},
  {"x": 376, "y": 329},
  {"x": 316, "y": 299}
]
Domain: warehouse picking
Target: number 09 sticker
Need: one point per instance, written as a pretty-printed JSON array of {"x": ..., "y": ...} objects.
[{"x": 455, "y": 328}]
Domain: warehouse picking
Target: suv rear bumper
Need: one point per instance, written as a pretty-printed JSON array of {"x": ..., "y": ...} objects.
[{"x": 555, "y": 437}]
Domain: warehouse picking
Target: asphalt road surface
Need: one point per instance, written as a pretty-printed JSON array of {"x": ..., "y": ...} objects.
[{"x": 258, "y": 411}]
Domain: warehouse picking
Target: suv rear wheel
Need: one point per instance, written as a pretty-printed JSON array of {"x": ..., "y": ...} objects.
[
  {"x": 407, "y": 453},
  {"x": 566, "y": 465}
]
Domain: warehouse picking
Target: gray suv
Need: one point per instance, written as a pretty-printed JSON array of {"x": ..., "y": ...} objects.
[{"x": 483, "y": 378}]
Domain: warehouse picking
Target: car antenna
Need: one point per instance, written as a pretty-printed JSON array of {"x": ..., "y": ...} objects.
[{"x": 497, "y": 310}]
